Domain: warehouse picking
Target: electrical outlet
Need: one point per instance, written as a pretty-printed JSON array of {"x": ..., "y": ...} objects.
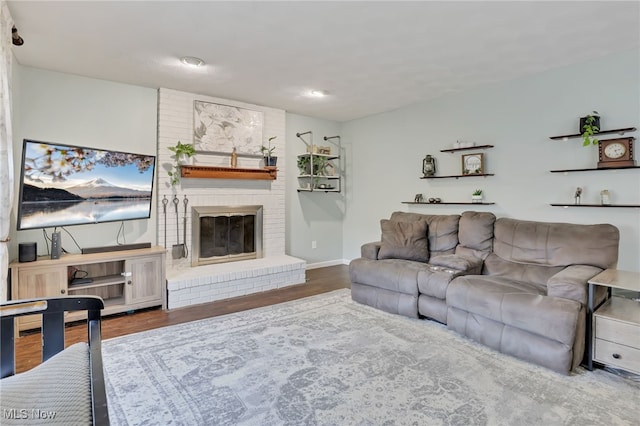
[{"x": 314, "y": 244}]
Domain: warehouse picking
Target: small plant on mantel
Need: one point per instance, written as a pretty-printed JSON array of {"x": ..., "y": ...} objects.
[
  {"x": 269, "y": 159},
  {"x": 590, "y": 126},
  {"x": 183, "y": 153}
]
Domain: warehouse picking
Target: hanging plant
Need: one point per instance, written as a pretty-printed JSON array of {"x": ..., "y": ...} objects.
[
  {"x": 183, "y": 153},
  {"x": 589, "y": 126}
]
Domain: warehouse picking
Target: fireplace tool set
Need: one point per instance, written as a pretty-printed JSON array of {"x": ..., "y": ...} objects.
[{"x": 179, "y": 250}]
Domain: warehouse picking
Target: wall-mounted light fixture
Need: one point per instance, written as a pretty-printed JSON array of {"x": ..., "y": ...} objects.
[{"x": 15, "y": 37}]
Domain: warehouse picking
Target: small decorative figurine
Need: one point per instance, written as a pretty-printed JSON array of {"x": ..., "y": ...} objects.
[
  {"x": 418, "y": 198},
  {"x": 577, "y": 195},
  {"x": 429, "y": 166}
]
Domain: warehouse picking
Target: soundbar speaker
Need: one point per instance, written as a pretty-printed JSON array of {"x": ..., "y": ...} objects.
[
  {"x": 56, "y": 245},
  {"x": 27, "y": 252}
]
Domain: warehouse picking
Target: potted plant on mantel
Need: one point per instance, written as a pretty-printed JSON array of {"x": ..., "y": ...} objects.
[
  {"x": 589, "y": 126},
  {"x": 183, "y": 155},
  {"x": 269, "y": 160}
]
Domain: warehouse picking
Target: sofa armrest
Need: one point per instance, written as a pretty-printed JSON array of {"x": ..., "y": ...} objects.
[
  {"x": 571, "y": 282},
  {"x": 468, "y": 265},
  {"x": 370, "y": 250}
]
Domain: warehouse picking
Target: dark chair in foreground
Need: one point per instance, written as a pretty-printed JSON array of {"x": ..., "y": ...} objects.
[{"x": 68, "y": 387}]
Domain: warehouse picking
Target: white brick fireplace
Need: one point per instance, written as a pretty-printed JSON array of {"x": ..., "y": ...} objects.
[{"x": 189, "y": 285}]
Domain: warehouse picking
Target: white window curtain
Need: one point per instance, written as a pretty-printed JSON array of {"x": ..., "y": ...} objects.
[{"x": 6, "y": 143}]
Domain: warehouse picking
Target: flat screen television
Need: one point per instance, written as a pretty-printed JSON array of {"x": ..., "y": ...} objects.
[{"x": 63, "y": 185}]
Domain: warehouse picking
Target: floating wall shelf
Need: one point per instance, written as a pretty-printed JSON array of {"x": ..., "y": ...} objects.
[
  {"x": 209, "y": 172},
  {"x": 597, "y": 205},
  {"x": 592, "y": 169},
  {"x": 467, "y": 148},
  {"x": 462, "y": 203},
  {"x": 456, "y": 176},
  {"x": 602, "y": 132}
]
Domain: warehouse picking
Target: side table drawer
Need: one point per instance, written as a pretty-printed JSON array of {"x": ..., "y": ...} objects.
[
  {"x": 617, "y": 331},
  {"x": 626, "y": 358}
]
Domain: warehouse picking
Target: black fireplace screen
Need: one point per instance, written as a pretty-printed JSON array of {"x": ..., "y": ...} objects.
[{"x": 227, "y": 235}]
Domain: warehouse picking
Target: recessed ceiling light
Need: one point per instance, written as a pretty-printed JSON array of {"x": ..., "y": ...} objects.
[
  {"x": 318, "y": 93},
  {"x": 192, "y": 61}
]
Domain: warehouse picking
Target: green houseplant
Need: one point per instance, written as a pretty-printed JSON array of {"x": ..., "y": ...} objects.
[
  {"x": 269, "y": 159},
  {"x": 182, "y": 153},
  {"x": 319, "y": 165},
  {"x": 476, "y": 196},
  {"x": 589, "y": 126}
]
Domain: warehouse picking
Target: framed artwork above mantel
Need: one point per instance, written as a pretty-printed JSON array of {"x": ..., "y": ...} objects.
[{"x": 219, "y": 128}]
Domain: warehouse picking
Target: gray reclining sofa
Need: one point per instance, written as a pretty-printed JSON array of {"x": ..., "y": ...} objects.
[{"x": 517, "y": 286}]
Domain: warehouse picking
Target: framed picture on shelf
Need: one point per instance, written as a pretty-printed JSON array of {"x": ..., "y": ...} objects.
[{"x": 473, "y": 164}]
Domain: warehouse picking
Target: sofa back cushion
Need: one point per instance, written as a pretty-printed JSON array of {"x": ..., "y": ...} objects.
[
  {"x": 475, "y": 234},
  {"x": 556, "y": 244},
  {"x": 404, "y": 240},
  {"x": 442, "y": 230}
]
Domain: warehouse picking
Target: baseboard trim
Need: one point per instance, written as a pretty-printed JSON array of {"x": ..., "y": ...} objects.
[{"x": 327, "y": 263}]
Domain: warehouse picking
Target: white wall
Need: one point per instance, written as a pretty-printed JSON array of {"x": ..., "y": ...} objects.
[
  {"x": 64, "y": 108},
  {"x": 517, "y": 117},
  {"x": 312, "y": 216}
]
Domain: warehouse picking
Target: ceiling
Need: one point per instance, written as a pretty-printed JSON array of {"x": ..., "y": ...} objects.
[{"x": 371, "y": 57}]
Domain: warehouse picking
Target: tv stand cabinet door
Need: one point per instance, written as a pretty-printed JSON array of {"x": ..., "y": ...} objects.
[
  {"x": 144, "y": 282},
  {"x": 37, "y": 283}
]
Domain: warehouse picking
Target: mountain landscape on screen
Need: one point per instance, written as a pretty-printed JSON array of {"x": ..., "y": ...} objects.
[
  {"x": 92, "y": 190},
  {"x": 73, "y": 185}
]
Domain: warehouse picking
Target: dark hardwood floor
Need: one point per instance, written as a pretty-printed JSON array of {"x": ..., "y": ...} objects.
[{"x": 321, "y": 280}]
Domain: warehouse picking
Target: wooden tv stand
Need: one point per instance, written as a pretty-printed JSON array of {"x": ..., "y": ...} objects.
[{"x": 126, "y": 280}]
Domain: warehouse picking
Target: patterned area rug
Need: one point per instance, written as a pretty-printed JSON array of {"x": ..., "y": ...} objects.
[{"x": 326, "y": 360}]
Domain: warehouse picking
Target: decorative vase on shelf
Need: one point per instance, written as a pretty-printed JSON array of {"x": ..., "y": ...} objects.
[
  {"x": 234, "y": 158},
  {"x": 270, "y": 161}
]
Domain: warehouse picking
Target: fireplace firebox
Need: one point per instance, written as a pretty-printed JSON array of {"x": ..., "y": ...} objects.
[{"x": 226, "y": 234}]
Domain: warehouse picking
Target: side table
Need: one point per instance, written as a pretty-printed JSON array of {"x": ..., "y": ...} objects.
[{"x": 614, "y": 326}]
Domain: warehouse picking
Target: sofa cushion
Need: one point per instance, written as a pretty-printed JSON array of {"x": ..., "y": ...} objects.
[
  {"x": 475, "y": 234},
  {"x": 531, "y": 273},
  {"x": 519, "y": 304},
  {"x": 442, "y": 231},
  {"x": 434, "y": 281},
  {"x": 404, "y": 240},
  {"x": 467, "y": 264},
  {"x": 556, "y": 244},
  {"x": 391, "y": 274},
  {"x": 389, "y": 301}
]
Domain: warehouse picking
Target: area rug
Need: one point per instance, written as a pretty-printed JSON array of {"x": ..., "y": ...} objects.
[{"x": 327, "y": 360}]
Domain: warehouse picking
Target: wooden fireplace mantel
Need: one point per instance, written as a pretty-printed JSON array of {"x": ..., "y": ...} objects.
[{"x": 215, "y": 172}]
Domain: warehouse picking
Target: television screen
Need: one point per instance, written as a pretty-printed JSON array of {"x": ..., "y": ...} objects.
[{"x": 72, "y": 185}]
